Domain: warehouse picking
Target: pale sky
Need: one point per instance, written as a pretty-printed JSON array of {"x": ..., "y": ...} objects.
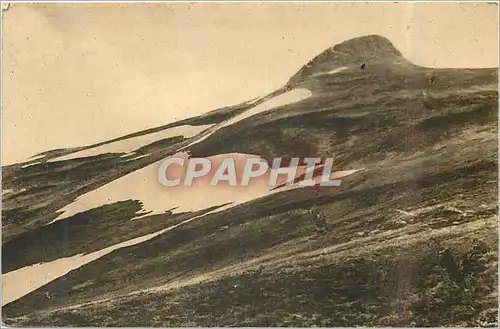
[{"x": 77, "y": 74}]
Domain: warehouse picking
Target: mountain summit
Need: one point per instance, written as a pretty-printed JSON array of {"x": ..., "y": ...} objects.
[{"x": 355, "y": 51}]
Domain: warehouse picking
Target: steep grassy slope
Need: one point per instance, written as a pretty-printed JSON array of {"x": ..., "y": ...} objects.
[{"x": 412, "y": 239}]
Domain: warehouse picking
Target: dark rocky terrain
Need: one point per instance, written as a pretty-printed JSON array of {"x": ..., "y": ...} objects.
[{"x": 412, "y": 240}]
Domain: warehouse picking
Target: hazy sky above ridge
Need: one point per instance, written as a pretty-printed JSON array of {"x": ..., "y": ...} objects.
[{"x": 76, "y": 74}]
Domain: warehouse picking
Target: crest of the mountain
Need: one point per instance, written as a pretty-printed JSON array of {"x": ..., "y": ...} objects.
[{"x": 352, "y": 52}]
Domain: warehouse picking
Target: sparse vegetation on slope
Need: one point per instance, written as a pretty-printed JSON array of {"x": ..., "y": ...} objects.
[{"x": 412, "y": 240}]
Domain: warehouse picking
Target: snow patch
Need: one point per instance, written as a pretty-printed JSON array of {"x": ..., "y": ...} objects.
[
  {"x": 7, "y": 191},
  {"x": 21, "y": 282},
  {"x": 290, "y": 97},
  {"x": 30, "y": 164},
  {"x": 131, "y": 144},
  {"x": 10, "y": 190},
  {"x": 337, "y": 70},
  {"x": 138, "y": 157},
  {"x": 142, "y": 185}
]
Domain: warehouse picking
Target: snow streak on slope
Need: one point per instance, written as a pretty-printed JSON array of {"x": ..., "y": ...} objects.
[
  {"x": 129, "y": 145},
  {"x": 293, "y": 96},
  {"x": 338, "y": 70},
  {"x": 138, "y": 157},
  {"x": 21, "y": 282},
  {"x": 10, "y": 190}
]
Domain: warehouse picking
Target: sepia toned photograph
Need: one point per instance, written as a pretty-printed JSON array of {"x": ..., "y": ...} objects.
[{"x": 249, "y": 164}]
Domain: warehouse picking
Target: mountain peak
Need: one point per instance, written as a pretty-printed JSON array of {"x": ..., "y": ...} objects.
[
  {"x": 354, "y": 51},
  {"x": 367, "y": 47}
]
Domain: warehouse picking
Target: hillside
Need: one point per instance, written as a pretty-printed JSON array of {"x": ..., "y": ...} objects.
[{"x": 412, "y": 237}]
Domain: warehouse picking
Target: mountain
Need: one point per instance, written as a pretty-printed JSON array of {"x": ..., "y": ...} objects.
[{"x": 90, "y": 238}]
